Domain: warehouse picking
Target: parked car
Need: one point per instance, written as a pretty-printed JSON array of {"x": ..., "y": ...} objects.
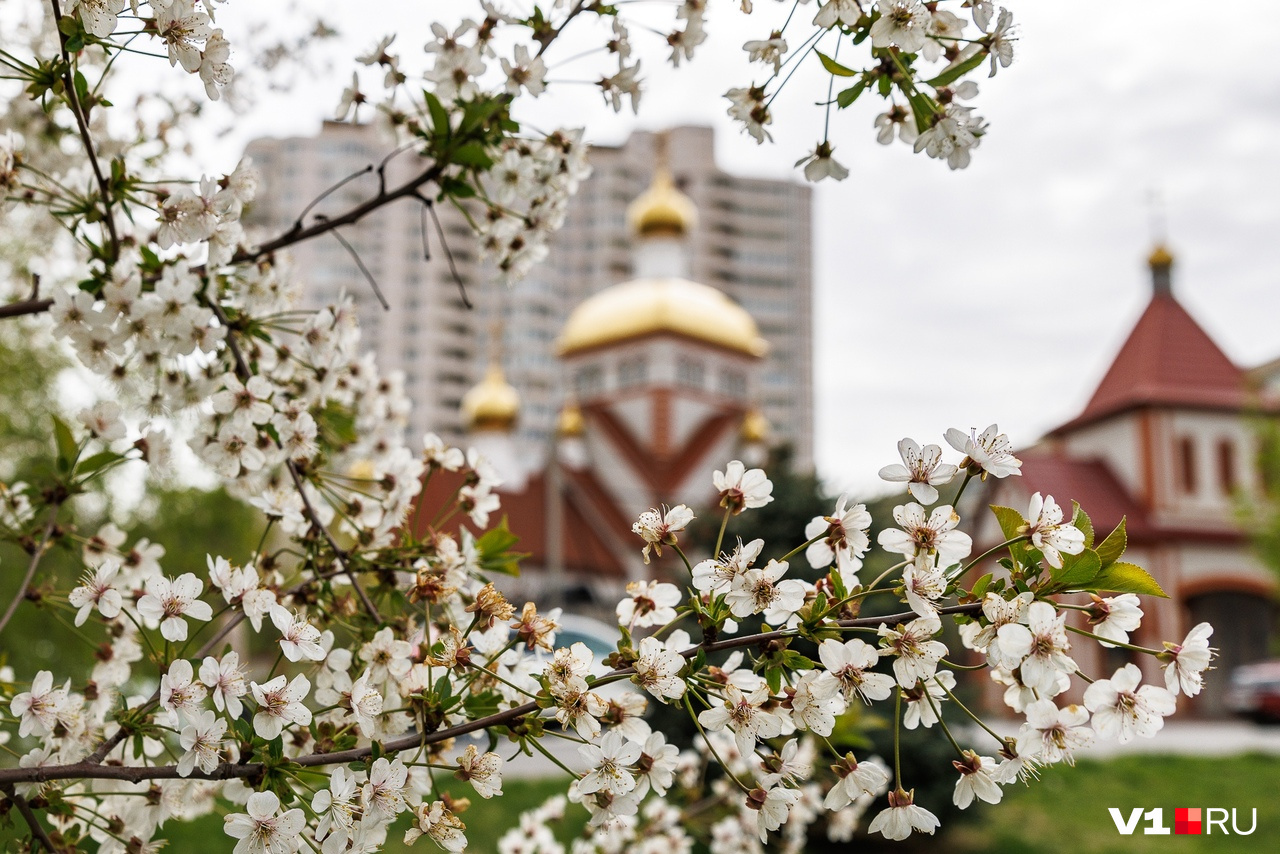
[{"x": 1254, "y": 691}]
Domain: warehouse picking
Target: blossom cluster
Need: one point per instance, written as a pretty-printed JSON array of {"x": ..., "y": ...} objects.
[{"x": 313, "y": 692}]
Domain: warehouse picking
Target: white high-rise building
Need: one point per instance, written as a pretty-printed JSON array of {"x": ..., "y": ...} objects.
[{"x": 752, "y": 241}]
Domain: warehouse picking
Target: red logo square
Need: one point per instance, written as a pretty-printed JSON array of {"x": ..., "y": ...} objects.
[{"x": 1186, "y": 820}]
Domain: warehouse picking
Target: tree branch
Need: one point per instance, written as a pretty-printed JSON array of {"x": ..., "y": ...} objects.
[
  {"x": 227, "y": 770},
  {"x": 21, "y": 592},
  {"x": 82, "y": 122},
  {"x": 29, "y": 306},
  {"x": 37, "y": 829}
]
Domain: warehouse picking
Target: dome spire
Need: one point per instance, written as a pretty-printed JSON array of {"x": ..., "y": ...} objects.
[
  {"x": 1161, "y": 263},
  {"x": 493, "y": 403},
  {"x": 662, "y": 210}
]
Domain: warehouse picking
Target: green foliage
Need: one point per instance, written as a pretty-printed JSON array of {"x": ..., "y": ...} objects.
[{"x": 1066, "y": 811}]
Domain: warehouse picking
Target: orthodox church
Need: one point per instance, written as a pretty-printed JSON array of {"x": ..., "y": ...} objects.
[
  {"x": 661, "y": 373},
  {"x": 1169, "y": 442}
]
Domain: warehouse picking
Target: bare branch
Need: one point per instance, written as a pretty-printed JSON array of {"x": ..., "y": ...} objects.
[
  {"x": 355, "y": 256},
  {"x": 38, "y": 553},
  {"x": 37, "y": 829},
  {"x": 82, "y": 122},
  {"x": 30, "y": 306},
  {"x": 448, "y": 253}
]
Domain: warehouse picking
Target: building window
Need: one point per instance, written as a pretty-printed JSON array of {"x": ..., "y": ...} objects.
[
  {"x": 690, "y": 373},
  {"x": 733, "y": 383},
  {"x": 589, "y": 380},
  {"x": 632, "y": 372},
  {"x": 1187, "y": 464},
  {"x": 1227, "y": 467}
]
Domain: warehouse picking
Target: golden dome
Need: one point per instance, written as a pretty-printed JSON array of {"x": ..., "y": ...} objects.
[
  {"x": 1160, "y": 258},
  {"x": 570, "y": 422},
  {"x": 755, "y": 427},
  {"x": 646, "y": 306},
  {"x": 492, "y": 404},
  {"x": 662, "y": 210}
]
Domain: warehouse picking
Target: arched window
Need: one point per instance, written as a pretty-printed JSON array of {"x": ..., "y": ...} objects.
[
  {"x": 1187, "y": 464},
  {"x": 1227, "y": 467}
]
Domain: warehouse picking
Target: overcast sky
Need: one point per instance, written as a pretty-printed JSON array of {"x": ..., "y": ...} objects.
[{"x": 1001, "y": 292}]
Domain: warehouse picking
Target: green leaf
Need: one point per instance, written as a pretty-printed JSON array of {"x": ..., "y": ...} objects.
[
  {"x": 980, "y": 586},
  {"x": 834, "y": 67},
  {"x": 1110, "y": 550},
  {"x": 1078, "y": 571},
  {"x": 1010, "y": 521},
  {"x": 439, "y": 118},
  {"x": 955, "y": 71},
  {"x": 68, "y": 448},
  {"x": 848, "y": 96},
  {"x": 1127, "y": 578},
  {"x": 1081, "y": 520},
  {"x": 774, "y": 677},
  {"x": 481, "y": 705},
  {"x": 472, "y": 154},
  {"x": 97, "y": 461},
  {"x": 795, "y": 661},
  {"x": 923, "y": 108}
]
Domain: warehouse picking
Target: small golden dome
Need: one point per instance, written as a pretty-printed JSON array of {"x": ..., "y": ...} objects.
[
  {"x": 570, "y": 422},
  {"x": 646, "y": 306},
  {"x": 492, "y": 404},
  {"x": 1161, "y": 258},
  {"x": 662, "y": 210},
  {"x": 755, "y": 427}
]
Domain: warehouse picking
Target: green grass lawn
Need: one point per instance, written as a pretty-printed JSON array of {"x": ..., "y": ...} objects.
[{"x": 1067, "y": 810}]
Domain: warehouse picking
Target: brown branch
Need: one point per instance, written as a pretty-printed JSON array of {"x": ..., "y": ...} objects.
[
  {"x": 298, "y": 234},
  {"x": 37, "y": 829},
  {"x": 82, "y": 122},
  {"x": 38, "y": 553},
  {"x": 227, "y": 770},
  {"x": 30, "y": 306}
]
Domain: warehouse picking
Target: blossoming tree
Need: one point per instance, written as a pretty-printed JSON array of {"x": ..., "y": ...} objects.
[{"x": 396, "y": 660}]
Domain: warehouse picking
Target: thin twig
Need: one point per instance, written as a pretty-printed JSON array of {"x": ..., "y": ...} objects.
[
  {"x": 355, "y": 256},
  {"x": 297, "y": 223},
  {"x": 354, "y": 215},
  {"x": 82, "y": 122},
  {"x": 37, "y": 829},
  {"x": 448, "y": 253},
  {"x": 339, "y": 553},
  {"x": 31, "y": 567}
]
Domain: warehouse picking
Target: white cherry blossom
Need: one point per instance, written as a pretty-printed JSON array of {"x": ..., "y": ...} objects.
[
  {"x": 1188, "y": 660},
  {"x": 168, "y": 602},
  {"x": 260, "y": 829},
  {"x": 1122, "y": 710},
  {"x": 921, "y": 469}
]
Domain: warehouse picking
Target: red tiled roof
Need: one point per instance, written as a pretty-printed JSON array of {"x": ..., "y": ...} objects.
[
  {"x": 1092, "y": 484},
  {"x": 1168, "y": 360}
]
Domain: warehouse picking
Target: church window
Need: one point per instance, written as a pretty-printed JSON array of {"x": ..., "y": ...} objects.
[
  {"x": 690, "y": 373},
  {"x": 589, "y": 380},
  {"x": 733, "y": 383},
  {"x": 632, "y": 372},
  {"x": 1187, "y": 464},
  {"x": 1227, "y": 466}
]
